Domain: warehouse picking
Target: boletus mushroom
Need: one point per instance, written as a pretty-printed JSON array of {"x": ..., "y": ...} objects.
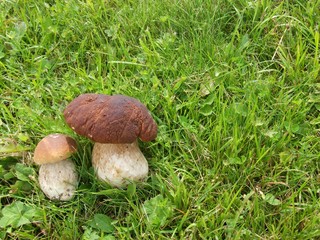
[
  {"x": 58, "y": 178},
  {"x": 114, "y": 123}
]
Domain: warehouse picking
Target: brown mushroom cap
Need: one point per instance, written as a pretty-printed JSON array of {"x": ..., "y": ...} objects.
[
  {"x": 54, "y": 148},
  {"x": 110, "y": 119}
]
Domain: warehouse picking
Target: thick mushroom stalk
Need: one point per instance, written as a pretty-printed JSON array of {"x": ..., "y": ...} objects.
[
  {"x": 119, "y": 164},
  {"x": 114, "y": 123},
  {"x": 58, "y": 178}
]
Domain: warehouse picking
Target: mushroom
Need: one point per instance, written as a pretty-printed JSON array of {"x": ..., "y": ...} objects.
[
  {"x": 114, "y": 123},
  {"x": 58, "y": 178}
]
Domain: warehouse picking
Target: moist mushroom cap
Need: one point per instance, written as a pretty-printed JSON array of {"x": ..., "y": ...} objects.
[
  {"x": 110, "y": 119},
  {"x": 54, "y": 148}
]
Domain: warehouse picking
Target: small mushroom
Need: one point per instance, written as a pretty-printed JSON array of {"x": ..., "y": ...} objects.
[
  {"x": 114, "y": 123},
  {"x": 58, "y": 178}
]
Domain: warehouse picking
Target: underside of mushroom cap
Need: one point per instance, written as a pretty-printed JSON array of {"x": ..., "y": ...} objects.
[{"x": 110, "y": 119}]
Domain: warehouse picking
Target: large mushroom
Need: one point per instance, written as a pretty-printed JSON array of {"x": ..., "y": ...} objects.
[
  {"x": 114, "y": 123},
  {"x": 58, "y": 178}
]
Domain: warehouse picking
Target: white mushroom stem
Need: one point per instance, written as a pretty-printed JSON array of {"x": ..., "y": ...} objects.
[
  {"x": 119, "y": 164},
  {"x": 58, "y": 180}
]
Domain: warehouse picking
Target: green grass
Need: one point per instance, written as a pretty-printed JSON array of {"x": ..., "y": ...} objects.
[{"x": 233, "y": 85}]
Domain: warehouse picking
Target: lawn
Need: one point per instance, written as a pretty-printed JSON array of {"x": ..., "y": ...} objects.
[{"x": 233, "y": 85}]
